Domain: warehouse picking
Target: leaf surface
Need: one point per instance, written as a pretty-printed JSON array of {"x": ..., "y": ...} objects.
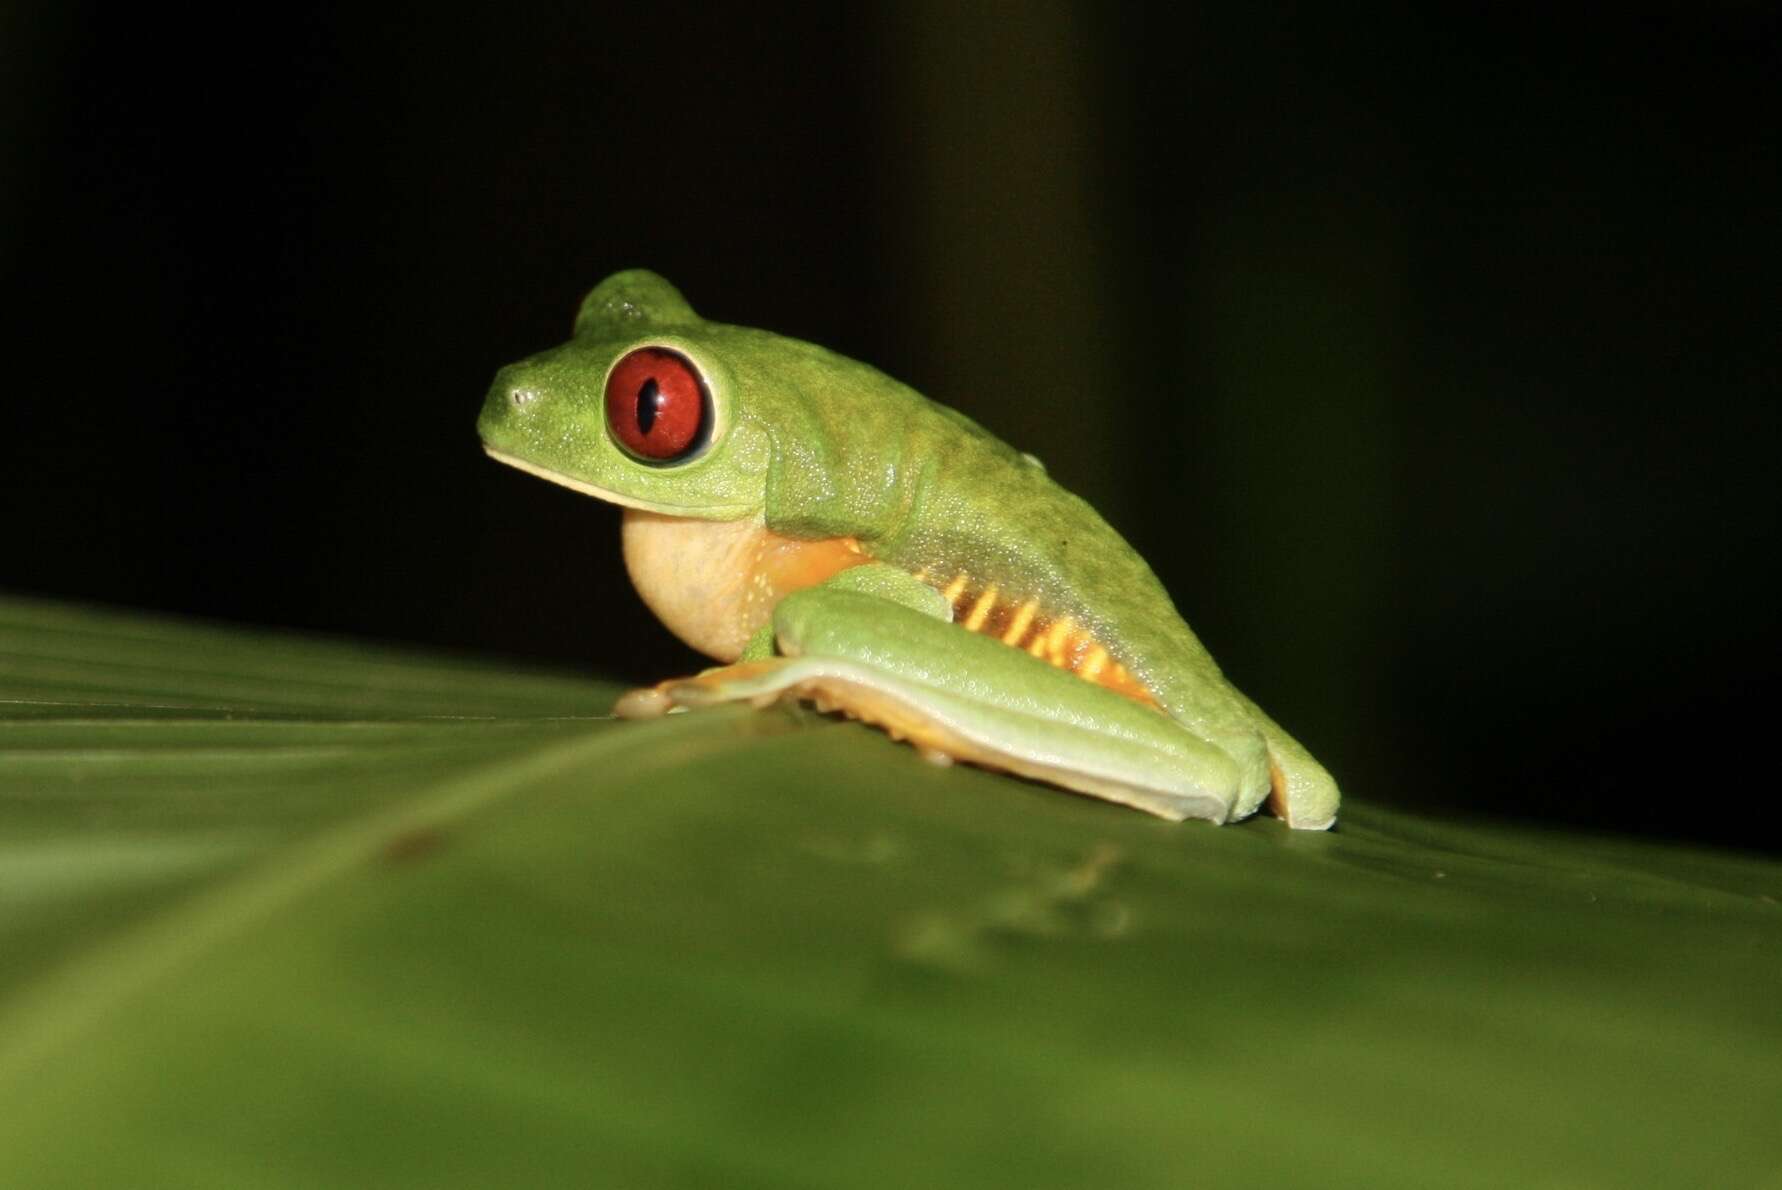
[{"x": 281, "y": 912}]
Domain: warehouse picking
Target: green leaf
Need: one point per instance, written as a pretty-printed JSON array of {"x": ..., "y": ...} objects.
[{"x": 277, "y": 912}]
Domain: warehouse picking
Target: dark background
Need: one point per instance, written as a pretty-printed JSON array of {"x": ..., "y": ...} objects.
[{"x": 1431, "y": 360}]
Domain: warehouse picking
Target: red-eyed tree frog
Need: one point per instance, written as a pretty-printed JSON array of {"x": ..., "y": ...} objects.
[{"x": 828, "y": 534}]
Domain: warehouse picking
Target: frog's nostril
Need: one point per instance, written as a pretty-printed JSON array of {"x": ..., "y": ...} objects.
[{"x": 522, "y": 397}]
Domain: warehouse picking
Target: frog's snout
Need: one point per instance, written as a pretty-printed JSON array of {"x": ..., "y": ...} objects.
[
  {"x": 513, "y": 388},
  {"x": 508, "y": 396}
]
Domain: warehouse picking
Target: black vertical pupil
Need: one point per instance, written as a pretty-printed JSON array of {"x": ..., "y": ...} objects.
[{"x": 648, "y": 397}]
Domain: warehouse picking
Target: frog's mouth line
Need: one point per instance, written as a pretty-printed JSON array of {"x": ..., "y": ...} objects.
[{"x": 612, "y": 497}]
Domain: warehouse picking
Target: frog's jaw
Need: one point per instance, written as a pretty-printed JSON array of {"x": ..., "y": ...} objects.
[{"x": 724, "y": 512}]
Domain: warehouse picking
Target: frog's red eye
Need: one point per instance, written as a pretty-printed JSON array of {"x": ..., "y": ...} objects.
[{"x": 657, "y": 406}]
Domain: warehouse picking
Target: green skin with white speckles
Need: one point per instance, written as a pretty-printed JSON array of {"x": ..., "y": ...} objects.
[{"x": 820, "y": 446}]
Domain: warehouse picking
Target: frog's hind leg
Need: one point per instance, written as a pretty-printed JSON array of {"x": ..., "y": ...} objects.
[
  {"x": 959, "y": 695},
  {"x": 1304, "y": 794},
  {"x": 1034, "y": 749}
]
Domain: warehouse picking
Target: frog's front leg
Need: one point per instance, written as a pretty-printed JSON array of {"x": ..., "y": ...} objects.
[{"x": 878, "y": 645}]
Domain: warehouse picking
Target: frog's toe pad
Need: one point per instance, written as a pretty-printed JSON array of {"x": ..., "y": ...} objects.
[{"x": 648, "y": 702}]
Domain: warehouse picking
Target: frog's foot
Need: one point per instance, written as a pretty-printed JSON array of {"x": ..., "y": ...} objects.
[
  {"x": 1139, "y": 764},
  {"x": 1302, "y": 793},
  {"x": 650, "y": 702}
]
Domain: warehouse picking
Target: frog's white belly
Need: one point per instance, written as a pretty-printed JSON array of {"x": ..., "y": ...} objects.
[
  {"x": 714, "y": 583},
  {"x": 698, "y": 577}
]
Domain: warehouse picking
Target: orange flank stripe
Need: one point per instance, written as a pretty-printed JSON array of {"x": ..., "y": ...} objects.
[
  {"x": 980, "y": 611},
  {"x": 1023, "y": 625},
  {"x": 1056, "y": 639},
  {"x": 1018, "y": 626}
]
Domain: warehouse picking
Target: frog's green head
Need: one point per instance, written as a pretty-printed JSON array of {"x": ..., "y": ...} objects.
[{"x": 639, "y": 408}]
